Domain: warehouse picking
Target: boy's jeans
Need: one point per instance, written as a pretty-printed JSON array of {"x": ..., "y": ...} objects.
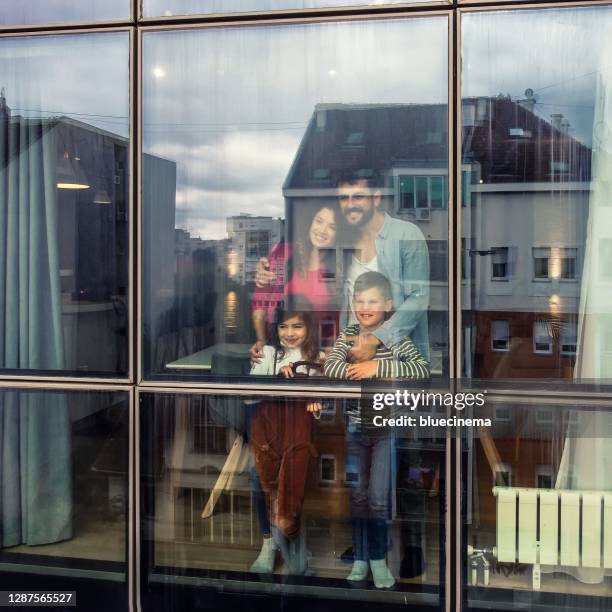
[{"x": 370, "y": 496}]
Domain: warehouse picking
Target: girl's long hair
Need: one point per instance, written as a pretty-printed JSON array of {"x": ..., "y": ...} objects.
[
  {"x": 310, "y": 348},
  {"x": 303, "y": 247}
]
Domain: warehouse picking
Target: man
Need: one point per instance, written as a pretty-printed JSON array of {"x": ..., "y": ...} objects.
[
  {"x": 396, "y": 249},
  {"x": 383, "y": 244}
]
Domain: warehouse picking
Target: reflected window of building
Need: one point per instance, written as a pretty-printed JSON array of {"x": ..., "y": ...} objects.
[
  {"x": 502, "y": 476},
  {"x": 542, "y": 337},
  {"x": 568, "y": 338},
  {"x": 351, "y": 470},
  {"x": 541, "y": 263},
  {"x": 569, "y": 263},
  {"x": 502, "y": 413},
  {"x": 407, "y": 193},
  {"x": 544, "y": 476},
  {"x": 438, "y": 260},
  {"x": 544, "y": 416},
  {"x": 327, "y": 469},
  {"x": 500, "y": 264},
  {"x": 423, "y": 193},
  {"x": 500, "y": 335}
]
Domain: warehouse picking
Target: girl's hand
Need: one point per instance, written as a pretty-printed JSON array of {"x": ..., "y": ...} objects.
[
  {"x": 256, "y": 352},
  {"x": 314, "y": 407},
  {"x": 359, "y": 371},
  {"x": 287, "y": 371}
]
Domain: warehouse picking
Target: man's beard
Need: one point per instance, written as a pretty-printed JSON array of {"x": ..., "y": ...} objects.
[{"x": 366, "y": 215}]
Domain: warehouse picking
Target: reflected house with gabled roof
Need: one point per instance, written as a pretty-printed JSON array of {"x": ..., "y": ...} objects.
[
  {"x": 520, "y": 268},
  {"x": 526, "y": 203},
  {"x": 402, "y": 150}
]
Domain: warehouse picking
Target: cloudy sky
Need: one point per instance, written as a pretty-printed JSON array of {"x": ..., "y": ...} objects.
[
  {"x": 85, "y": 76},
  {"x": 61, "y": 11},
  {"x": 557, "y": 53},
  {"x": 155, "y": 8},
  {"x": 230, "y": 105}
]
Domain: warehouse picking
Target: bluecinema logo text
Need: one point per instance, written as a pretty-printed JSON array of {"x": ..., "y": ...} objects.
[{"x": 413, "y": 400}]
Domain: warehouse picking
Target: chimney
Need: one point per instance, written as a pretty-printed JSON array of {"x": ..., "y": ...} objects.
[{"x": 557, "y": 120}]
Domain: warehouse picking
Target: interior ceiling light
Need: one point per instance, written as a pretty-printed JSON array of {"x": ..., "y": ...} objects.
[{"x": 70, "y": 175}]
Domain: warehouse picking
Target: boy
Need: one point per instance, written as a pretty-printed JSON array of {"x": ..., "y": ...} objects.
[{"x": 372, "y": 304}]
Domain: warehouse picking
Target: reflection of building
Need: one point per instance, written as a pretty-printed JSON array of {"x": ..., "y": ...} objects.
[
  {"x": 527, "y": 189},
  {"x": 251, "y": 237},
  {"x": 400, "y": 148},
  {"x": 526, "y": 181}
]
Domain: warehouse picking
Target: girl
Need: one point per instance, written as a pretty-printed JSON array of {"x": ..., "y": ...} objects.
[{"x": 280, "y": 439}]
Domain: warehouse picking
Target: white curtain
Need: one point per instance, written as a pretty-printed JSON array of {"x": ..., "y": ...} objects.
[{"x": 586, "y": 463}]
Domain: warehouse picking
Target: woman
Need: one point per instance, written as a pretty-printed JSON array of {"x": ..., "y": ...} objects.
[{"x": 297, "y": 275}]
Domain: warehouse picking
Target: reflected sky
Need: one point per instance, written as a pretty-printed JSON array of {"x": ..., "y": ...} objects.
[
  {"x": 83, "y": 76},
  {"x": 168, "y": 8},
  {"x": 30, "y": 12},
  {"x": 556, "y": 53},
  {"x": 230, "y": 106}
]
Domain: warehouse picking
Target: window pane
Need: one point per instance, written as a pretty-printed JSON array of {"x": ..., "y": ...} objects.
[
  {"x": 499, "y": 261},
  {"x": 64, "y": 478},
  {"x": 64, "y": 186},
  {"x": 537, "y": 506},
  {"x": 569, "y": 269},
  {"x": 438, "y": 191},
  {"x": 537, "y": 168},
  {"x": 32, "y": 12},
  {"x": 209, "y": 501},
  {"x": 543, "y": 336},
  {"x": 292, "y": 166},
  {"x": 406, "y": 191},
  {"x": 422, "y": 192},
  {"x": 500, "y": 335},
  {"x": 169, "y": 8}
]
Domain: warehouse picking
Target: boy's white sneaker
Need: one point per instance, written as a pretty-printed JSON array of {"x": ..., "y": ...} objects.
[{"x": 383, "y": 578}]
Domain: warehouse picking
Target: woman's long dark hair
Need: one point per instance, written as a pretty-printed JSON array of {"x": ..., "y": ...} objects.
[
  {"x": 302, "y": 247},
  {"x": 310, "y": 348}
]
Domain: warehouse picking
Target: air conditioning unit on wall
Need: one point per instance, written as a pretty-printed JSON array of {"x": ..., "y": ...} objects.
[{"x": 423, "y": 214}]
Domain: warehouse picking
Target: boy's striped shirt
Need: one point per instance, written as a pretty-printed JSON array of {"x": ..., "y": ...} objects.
[{"x": 401, "y": 360}]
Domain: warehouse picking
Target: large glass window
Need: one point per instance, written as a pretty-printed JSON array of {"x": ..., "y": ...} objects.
[
  {"x": 275, "y": 171},
  {"x": 33, "y": 12},
  {"x": 538, "y": 506},
  {"x": 64, "y": 479},
  {"x": 536, "y": 141},
  {"x": 255, "y": 495},
  {"x": 64, "y": 204}
]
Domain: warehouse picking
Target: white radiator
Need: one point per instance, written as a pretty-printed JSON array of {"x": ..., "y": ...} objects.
[{"x": 553, "y": 527}]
